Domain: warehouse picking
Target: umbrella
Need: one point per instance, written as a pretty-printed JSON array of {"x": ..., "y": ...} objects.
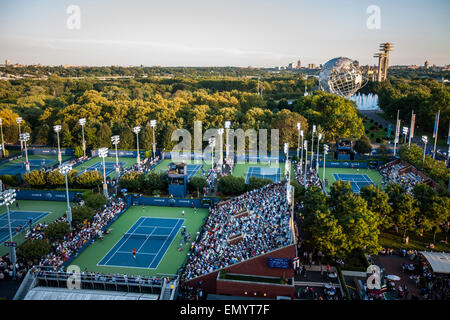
[
  {"x": 393, "y": 277},
  {"x": 123, "y": 190}
]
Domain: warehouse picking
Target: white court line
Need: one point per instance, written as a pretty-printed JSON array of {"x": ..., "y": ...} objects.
[{"x": 174, "y": 228}]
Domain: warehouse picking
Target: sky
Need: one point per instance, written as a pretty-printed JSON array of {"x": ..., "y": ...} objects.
[{"x": 259, "y": 33}]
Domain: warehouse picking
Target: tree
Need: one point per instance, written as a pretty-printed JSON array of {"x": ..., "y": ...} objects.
[
  {"x": 66, "y": 136},
  {"x": 78, "y": 151},
  {"x": 35, "y": 178},
  {"x": 104, "y": 135},
  {"x": 256, "y": 183},
  {"x": 57, "y": 231},
  {"x": 81, "y": 213},
  {"x": 33, "y": 250},
  {"x": 133, "y": 181},
  {"x": 230, "y": 185},
  {"x": 94, "y": 200},
  {"x": 363, "y": 145},
  {"x": 55, "y": 178},
  {"x": 197, "y": 184},
  {"x": 383, "y": 151},
  {"x": 377, "y": 202},
  {"x": 88, "y": 179},
  {"x": 327, "y": 234},
  {"x": 404, "y": 214}
]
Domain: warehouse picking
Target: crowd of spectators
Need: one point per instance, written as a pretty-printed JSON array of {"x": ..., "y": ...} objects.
[
  {"x": 311, "y": 179},
  {"x": 64, "y": 249},
  {"x": 391, "y": 174},
  {"x": 261, "y": 219}
]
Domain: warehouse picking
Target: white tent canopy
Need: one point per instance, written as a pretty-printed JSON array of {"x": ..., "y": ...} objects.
[
  {"x": 50, "y": 293},
  {"x": 439, "y": 261}
]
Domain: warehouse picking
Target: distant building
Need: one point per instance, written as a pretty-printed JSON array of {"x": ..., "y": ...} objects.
[
  {"x": 7, "y": 62},
  {"x": 290, "y": 66},
  {"x": 311, "y": 66},
  {"x": 426, "y": 65},
  {"x": 299, "y": 64}
]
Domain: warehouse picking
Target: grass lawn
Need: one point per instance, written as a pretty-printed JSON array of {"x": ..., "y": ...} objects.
[
  {"x": 128, "y": 163},
  {"x": 391, "y": 239},
  {"x": 378, "y": 133},
  {"x": 172, "y": 259},
  {"x": 373, "y": 174},
  {"x": 57, "y": 209}
]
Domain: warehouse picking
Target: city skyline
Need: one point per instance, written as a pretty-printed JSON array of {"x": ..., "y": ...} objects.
[{"x": 213, "y": 33}]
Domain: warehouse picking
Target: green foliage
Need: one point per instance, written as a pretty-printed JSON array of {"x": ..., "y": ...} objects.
[
  {"x": 230, "y": 185},
  {"x": 55, "y": 178},
  {"x": 256, "y": 183},
  {"x": 57, "y": 231},
  {"x": 378, "y": 202},
  {"x": 88, "y": 179},
  {"x": 10, "y": 180},
  {"x": 196, "y": 184},
  {"x": 363, "y": 145},
  {"x": 78, "y": 151},
  {"x": 33, "y": 249},
  {"x": 35, "y": 178},
  {"x": 133, "y": 181},
  {"x": 81, "y": 213},
  {"x": 94, "y": 200}
]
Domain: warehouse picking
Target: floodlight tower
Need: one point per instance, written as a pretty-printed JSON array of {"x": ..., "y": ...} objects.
[
  {"x": 299, "y": 126},
  {"x": 319, "y": 137},
  {"x": 312, "y": 145},
  {"x": 137, "y": 130},
  {"x": 65, "y": 170},
  {"x": 286, "y": 166},
  {"x": 325, "y": 152},
  {"x": 425, "y": 141},
  {"x": 3, "y": 142},
  {"x": 115, "y": 141},
  {"x": 103, "y": 153},
  {"x": 306, "y": 157},
  {"x": 57, "y": 129},
  {"x": 220, "y": 131},
  {"x": 227, "y": 145},
  {"x": 301, "y": 156},
  {"x": 24, "y": 137},
  {"x": 385, "y": 48},
  {"x": 212, "y": 144},
  {"x": 153, "y": 125},
  {"x": 19, "y": 121},
  {"x": 405, "y": 132},
  {"x": 7, "y": 198},
  {"x": 82, "y": 122}
]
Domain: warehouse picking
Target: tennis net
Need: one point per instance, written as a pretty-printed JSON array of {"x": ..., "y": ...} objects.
[{"x": 146, "y": 236}]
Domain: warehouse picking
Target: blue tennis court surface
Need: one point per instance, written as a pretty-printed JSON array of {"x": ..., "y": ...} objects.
[
  {"x": 110, "y": 167},
  {"x": 18, "y": 218},
  {"x": 151, "y": 237},
  {"x": 35, "y": 164},
  {"x": 357, "y": 181},
  {"x": 264, "y": 173}
]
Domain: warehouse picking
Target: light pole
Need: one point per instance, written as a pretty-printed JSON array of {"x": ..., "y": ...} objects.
[
  {"x": 220, "y": 131},
  {"x": 227, "y": 145},
  {"x": 312, "y": 145},
  {"x": 299, "y": 126},
  {"x": 3, "y": 142},
  {"x": 405, "y": 132},
  {"x": 103, "y": 153},
  {"x": 137, "y": 130},
  {"x": 212, "y": 143},
  {"x": 153, "y": 125},
  {"x": 435, "y": 132},
  {"x": 19, "y": 121},
  {"x": 57, "y": 129},
  {"x": 325, "y": 152},
  {"x": 301, "y": 155},
  {"x": 306, "y": 157},
  {"x": 82, "y": 122},
  {"x": 115, "y": 141},
  {"x": 7, "y": 198},
  {"x": 425, "y": 141},
  {"x": 24, "y": 137},
  {"x": 318, "y": 140},
  {"x": 286, "y": 166},
  {"x": 65, "y": 170}
]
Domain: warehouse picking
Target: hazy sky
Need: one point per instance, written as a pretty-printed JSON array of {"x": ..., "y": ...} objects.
[{"x": 221, "y": 33}]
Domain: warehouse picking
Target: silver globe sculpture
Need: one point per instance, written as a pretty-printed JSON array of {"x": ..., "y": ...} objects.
[{"x": 341, "y": 76}]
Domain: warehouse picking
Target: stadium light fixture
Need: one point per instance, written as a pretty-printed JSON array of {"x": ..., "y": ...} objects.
[
  {"x": 24, "y": 137},
  {"x": 115, "y": 141},
  {"x": 301, "y": 155},
  {"x": 306, "y": 157},
  {"x": 299, "y": 126},
  {"x": 136, "y": 130},
  {"x": 212, "y": 144},
  {"x": 3, "y": 142},
  {"x": 65, "y": 170},
  {"x": 425, "y": 141},
  {"x": 319, "y": 137},
  {"x": 19, "y": 121},
  {"x": 57, "y": 128},
  {"x": 103, "y": 153},
  {"x": 220, "y": 131},
  {"x": 82, "y": 122},
  {"x": 312, "y": 145},
  {"x": 153, "y": 125},
  {"x": 325, "y": 152},
  {"x": 227, "y": 145},
  {"x": 7, "y": 198},
  {"x": 405, "y": 132}
]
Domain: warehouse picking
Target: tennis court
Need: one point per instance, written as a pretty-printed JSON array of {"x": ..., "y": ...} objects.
[
  {"x": 37, "y": 162},
  {"x": 151, "y": 237},
  {"x": 264, "y": 172},
  {"x": 18, "y": 218},
  {"x": 110, "y": 167},
  {"x": 357, "y": 181}
]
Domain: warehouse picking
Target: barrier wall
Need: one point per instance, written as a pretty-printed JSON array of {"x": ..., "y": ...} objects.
[
  {"x": 343, "y": 164},
  {"x": 167, "y": 202},
  {"x": 45, "y": 195},
  {"x": 45, "y": 151},
  {"x": 121, "y": 153}
]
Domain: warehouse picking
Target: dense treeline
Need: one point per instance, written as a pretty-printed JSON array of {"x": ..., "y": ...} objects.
[{"x": 114, "y": 107}]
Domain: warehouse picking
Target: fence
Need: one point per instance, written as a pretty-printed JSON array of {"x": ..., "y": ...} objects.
[
  {"x": 168, "y": 202},
  {"x": 45, "y": 195}
]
